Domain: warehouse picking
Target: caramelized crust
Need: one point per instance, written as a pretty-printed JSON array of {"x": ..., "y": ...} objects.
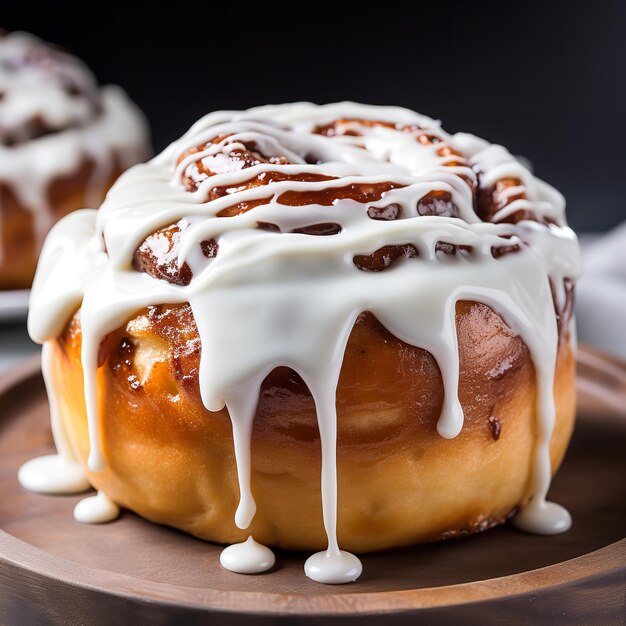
[
  {"x": 384, "y": 257},
  {"x": 437, "y": 203},
  {"x": 157, "y": 256},
  {"x": 172, "y": 461},
  {"x": 488, "y": 201},
  {"x": 236, "y": 160}
]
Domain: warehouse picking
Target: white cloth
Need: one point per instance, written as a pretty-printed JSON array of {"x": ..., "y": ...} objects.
[{"x": 601, "y": 293}]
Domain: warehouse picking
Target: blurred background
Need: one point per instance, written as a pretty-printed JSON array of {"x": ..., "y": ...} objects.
[{"x": 547, "y": 79}]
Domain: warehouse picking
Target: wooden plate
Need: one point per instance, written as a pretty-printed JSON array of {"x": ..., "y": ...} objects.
[{"x": 55, "y": 570}]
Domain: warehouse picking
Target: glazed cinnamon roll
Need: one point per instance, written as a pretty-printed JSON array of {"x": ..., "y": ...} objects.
[
  {"x": 326, "y": 328},
  {"x": 63, "y": 141}
]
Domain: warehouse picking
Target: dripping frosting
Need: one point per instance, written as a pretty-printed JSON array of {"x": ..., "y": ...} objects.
[
  {"x": 279, "y": 226},
  {"x": 60, "y": 472},
  {"x": 98, "y": 509},
  {"x": 247, "y": 557}
]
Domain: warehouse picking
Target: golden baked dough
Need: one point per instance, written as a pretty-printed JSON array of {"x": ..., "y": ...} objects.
[{"x": 400, "y": 482}]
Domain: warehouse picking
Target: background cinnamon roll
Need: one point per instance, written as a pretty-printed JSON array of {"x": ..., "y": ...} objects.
[
  {"x": 300, "y": 291},
  {"x": 63, "y": 141}
]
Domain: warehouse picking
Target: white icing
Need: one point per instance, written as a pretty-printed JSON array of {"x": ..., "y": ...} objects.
[
  {"x": 248, "y": 557},
  {"x": 543, "y": 518},
  {"x": 98, "y": 509},
  {"x": 54, "y": 473},
  {"x": 285, "y": 299},
  {"x": 333, "y": 567},
  {"x": 101, "y": 126}
]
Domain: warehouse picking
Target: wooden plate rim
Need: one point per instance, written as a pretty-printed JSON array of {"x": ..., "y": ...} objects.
[{"x": 15, "y": 553}]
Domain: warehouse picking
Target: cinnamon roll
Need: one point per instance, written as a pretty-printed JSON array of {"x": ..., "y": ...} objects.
[
  {"x": 63, "y": 141},
  {"x": 326, "y": 328}
]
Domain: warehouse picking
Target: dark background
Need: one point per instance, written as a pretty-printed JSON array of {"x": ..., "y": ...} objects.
[{"x": 546, "y": 80}]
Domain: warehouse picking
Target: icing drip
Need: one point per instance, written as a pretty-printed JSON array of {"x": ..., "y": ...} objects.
[
  {"x": 98, "y": 509},
  {"x": 332, "y": 566},
  {"x": 54, "y": 473},
  {"x": 241, "y": 406},
  {"x": 248, "y": 557},
  {"x": 274, "y": 296},
  {"x": 53, "y": 119}
]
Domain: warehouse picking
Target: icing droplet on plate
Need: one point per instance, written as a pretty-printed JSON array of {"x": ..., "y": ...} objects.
[
  {"x": 333, "y": 567},
  {"x": 53, "y": 474},
  {"x": 248, "y": 557},
  {"x": 543, "y": 518},
  {"x": 97, "y": 509}
]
